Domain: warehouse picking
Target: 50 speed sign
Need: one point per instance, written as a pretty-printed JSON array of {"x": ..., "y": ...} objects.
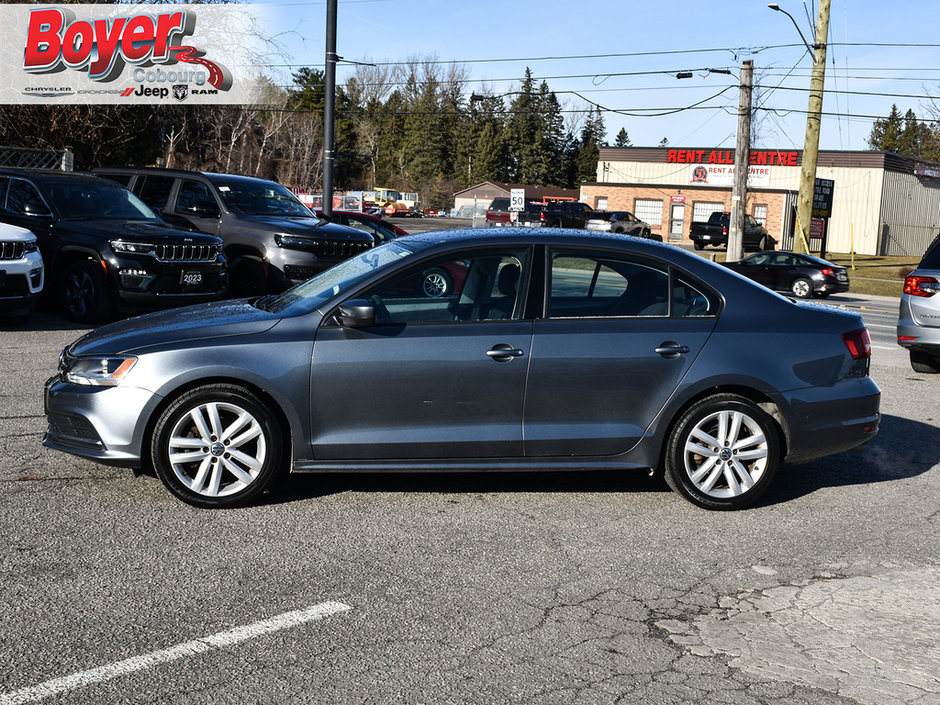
[{"x": 517, "y": 199}]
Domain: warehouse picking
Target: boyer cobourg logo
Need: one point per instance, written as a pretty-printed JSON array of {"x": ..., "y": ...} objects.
[{"x": 153, "y": 44}]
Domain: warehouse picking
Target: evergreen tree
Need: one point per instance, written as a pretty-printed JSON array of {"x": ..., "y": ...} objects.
[
  {"x": 623, "y": 139},
  {"x": 886, "y": 133},
  {"x": 592, "y": 136}
]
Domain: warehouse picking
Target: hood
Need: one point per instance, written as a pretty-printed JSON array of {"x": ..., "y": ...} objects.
[
  {"x": 310, "y": 227},
  {"x": 213, "y": 320},
  {"x": 150, "y": 231}
]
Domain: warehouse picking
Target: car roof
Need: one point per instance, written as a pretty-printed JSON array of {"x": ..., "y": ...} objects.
[
  {"x": 210, "y": 175},
  {"x": 47, "y": 175}
]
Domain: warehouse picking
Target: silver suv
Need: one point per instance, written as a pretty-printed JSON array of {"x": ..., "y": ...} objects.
[
  {"x": 21, "y": 273},
  {"x": 919, "y": 318}
]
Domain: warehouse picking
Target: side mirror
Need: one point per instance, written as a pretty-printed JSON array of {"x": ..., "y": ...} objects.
[
  {"x": 356, "y": 313},
  {"x": 35, "y": 208}
]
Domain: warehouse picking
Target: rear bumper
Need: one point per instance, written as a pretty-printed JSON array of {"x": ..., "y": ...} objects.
[{"x": 831, "y": 419}]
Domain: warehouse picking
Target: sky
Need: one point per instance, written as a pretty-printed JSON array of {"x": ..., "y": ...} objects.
[{"x": 623, "y": 55}]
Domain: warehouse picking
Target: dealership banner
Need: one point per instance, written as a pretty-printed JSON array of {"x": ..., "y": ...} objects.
[{"x": 131, "y": 54}]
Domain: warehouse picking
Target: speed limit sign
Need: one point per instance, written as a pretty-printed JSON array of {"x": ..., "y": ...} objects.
[{"x": 517, "y": 199}]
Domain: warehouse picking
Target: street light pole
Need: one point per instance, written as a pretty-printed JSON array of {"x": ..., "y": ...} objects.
[
  {"x": 329, "y": 107},
  {"x": 804, "y": 210}
]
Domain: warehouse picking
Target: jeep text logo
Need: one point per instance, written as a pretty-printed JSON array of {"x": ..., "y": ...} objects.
[{"x": 55, "y": 40}]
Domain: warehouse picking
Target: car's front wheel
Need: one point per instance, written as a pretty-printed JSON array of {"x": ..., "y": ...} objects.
[
  {"x": 722, "y": 453},
  {"x": 217, "y": 446},
  {"x": 85, "y": 296}
]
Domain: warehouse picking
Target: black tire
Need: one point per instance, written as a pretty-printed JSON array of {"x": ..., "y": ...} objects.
[
  {"x": 698, "y": 245},
  {"x": 801, "y": 288},
  {"x": 704, "y": 461},
  {"x": 924, "y": 363},
  {"x": 247, "y": 277},
  {"x": 229, "y": 456},
  {"x": 84, "y": 292},
  {"x": 436, "y": 283}
]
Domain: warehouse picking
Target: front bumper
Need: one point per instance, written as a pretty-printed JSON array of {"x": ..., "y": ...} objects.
[
  {"x": 103, "y": 424},
  {"x": 142, "y": 282}
]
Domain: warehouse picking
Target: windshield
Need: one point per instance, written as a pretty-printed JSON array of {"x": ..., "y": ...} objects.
[
  {"x": 307, "y": 296},
  {"x": 262, "y": 198},
  {"x": 89, "y": 199}
]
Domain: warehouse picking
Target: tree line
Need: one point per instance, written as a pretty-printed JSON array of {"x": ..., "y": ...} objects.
[
  {"x": 410, "y": 126},
  {"x": 906, "y": 135}
]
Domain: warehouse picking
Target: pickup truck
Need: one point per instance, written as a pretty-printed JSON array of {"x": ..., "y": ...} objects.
[
  {"x": 562, "y": 214},
  {"x": 499, "y": 214},
  {"x": 714, "y": 231}
]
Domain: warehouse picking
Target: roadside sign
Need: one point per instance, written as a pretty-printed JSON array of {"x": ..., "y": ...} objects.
[
  {"x": 822, "y": 198},
  {"x": 517, "y": 199}
]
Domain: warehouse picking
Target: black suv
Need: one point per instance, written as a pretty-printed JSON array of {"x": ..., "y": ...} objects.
[
  {"x": 104, "y": 249},
  {"x": 272, "y": 240}
]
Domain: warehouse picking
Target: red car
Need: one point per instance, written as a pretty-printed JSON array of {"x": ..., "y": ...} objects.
[{"x": 380, "y": 229}]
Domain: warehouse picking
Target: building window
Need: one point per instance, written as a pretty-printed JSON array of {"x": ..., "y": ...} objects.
[
  {"x": 649, "y": 210},
  {"x": 703, "y": 209},
  {"x": 600, "y": 203},
  {"x": 760, "y": 214}
]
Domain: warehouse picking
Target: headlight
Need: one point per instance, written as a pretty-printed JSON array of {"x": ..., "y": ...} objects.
[
  {"x": 296, "y": 242},
  {"x": 136, "y": 248},
  {"x": 31, "y": 246},
  {"x": 99, "y": 371}
]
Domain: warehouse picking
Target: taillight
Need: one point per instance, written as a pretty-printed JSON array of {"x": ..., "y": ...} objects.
[
  {"x": 921, "y": 286},
  {"x": 828, "y": 272},
  {"x": 542, "y": 217},
  {"x": 858, "y": 342},
  {"x": 724, "y": 229}
]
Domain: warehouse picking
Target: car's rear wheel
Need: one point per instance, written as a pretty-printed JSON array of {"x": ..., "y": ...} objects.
[
  {"x": 924, "y": 362},
  {"x": 436, "y": 283},
  {"x": 85, "y": 295},
  {"x": 801, "y": 288},
  {"x": 217, "y": 446},
  {"x": 722, "y": 453},
  {"x": 698, "y": 245}
]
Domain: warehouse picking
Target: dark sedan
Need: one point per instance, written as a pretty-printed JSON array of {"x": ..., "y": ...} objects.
[
  {"x": 562, "y": 350},
  {"x": 800, "y": 275}
]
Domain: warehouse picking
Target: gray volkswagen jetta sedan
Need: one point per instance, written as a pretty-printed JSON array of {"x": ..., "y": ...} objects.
[{"x": 553, "y": 350}]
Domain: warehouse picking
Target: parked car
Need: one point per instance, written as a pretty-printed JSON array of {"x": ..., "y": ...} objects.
[
  {"x": 21, "y": 273},
  {"x": 104, "y": 249},
  {"x": 714, "y": 231},
  {"x": 919, "y": 317},
  {"x": 498, "y": 213},
  {"x": 622, "y": 222},
  {"x": 691, "y": 369},
  {"x": 800, "y": 275},
  {"x": 379, "y": 228},
  {"x": 559, "y": 214},
  {"x": 272, "y": 240}
]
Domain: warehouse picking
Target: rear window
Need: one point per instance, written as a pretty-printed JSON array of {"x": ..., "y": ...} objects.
[
  {"x": 931, "y": 258},
  {"x": 499, "y": 204}
]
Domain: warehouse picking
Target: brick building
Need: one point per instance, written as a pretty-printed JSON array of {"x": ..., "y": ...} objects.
[{"x": 882, "y": 203}]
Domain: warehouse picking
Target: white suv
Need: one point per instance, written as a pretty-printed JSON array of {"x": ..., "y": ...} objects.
[
  {"x": 919, "y": 318},
  {"x": 21, "y": 273}
]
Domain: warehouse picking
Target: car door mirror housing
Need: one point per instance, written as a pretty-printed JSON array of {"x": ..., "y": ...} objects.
[
  {"x": 356, "y": 313},
  {"x": 35, "y": 208}
]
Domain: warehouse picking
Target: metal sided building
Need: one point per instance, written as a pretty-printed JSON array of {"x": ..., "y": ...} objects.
[{"x": 883, "y": 204}]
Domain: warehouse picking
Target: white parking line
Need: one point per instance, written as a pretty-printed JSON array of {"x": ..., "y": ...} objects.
[{"x": 190, "y": 648}]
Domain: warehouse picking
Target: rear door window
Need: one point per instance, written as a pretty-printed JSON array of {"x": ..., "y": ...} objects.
[{"x": 155, "y": 191}]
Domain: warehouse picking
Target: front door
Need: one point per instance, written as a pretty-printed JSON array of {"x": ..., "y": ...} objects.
[{"x": 442, "y": 372}]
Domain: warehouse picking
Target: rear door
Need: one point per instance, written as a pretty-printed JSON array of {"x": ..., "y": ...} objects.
[{"x": 619, "y": 335}]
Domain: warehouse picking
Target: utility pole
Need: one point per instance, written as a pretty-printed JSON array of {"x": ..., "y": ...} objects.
[
  {"x": 329, "y": 107},
  {"x": 804, "y": 210},
  {"x": 742, "y": 150}
]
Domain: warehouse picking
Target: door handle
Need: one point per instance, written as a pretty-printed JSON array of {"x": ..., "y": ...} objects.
[
  {"x": 671, "y": 349},
  {"x": 503, "y": 352}
]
